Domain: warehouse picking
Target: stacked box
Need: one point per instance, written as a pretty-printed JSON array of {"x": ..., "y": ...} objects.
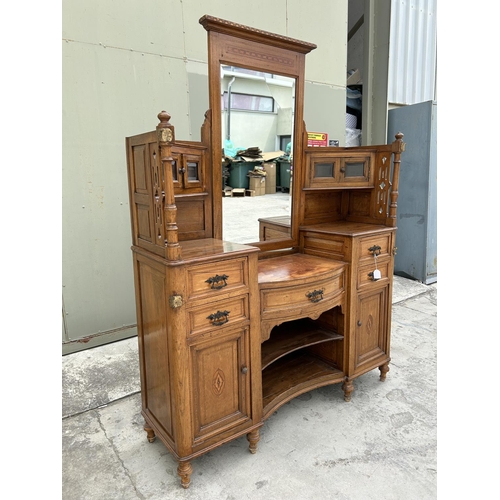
[
  {"x": 258, "y": 185},
  {"x": 270, "y": 169}
]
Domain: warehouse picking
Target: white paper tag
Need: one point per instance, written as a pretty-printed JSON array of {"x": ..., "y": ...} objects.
[{"x": 376, "y": 275}]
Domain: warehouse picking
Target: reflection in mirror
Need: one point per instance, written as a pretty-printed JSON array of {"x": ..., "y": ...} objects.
[{"x": 257, "y": 129}]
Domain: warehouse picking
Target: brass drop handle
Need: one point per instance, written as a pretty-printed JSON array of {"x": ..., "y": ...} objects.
[
  {"x": 217, "y": 282},
  {"x": 375, "y": 249},
  {"x": 359, "y": 323},
  {"x": 244, "y": 370},
  {"x": 219, "y": 318}
]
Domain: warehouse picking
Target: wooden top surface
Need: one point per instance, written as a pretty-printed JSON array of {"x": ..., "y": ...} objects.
[
  {"x": 347, "y": 228},
  {"x": 294, "y": 267},
  {"x": 210, "y": 247},
  {"x": 283, "y": 220}
]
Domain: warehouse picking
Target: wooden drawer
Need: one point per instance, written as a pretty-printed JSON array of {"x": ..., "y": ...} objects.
[
  {"x": 214, "y": 315},
  {"x": 331, "y": 246},
  {"x": 208, "y": 280},
  {"x": 295, "y": 300},
  {"x": 364, "y": 278},
  {"x": 381, "y": 240}
]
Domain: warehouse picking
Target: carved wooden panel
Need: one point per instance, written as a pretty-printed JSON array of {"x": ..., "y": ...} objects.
[
  {"x": 220, "y": 384},
  {"x": 382, "y": 184},
  {"x": 370, "y": 337}
]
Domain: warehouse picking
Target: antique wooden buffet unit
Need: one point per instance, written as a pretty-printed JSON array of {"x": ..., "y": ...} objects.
[{"x": 229, "y": 332}]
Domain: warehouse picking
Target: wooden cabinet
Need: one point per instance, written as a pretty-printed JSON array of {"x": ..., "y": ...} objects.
[
  {"x": 368, "y": 249},
  {"x": 271, "y": 228},
  {"x": 228, "y": 332},
  {"x": 188, "y": 170},
  {"x": 328, "y": 169},
  {"x": 199, "y": 352}
]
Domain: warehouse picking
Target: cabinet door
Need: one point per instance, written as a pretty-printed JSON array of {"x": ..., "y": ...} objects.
[
  {"x": 221, "y": 385},
  {"x": 188, "y": 172},
  {"x": 371, "y": 339},
  {"x": 335, "y": 170}
]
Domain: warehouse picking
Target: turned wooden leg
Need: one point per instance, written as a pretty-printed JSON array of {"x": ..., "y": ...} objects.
[
  {"x": 347, "y": 387},
  {"x": 185, "y": 470},
  {"x": 253, "y": 438},
  {"x": 150, "y": 432},
  {"x": 383, "y": 371}
]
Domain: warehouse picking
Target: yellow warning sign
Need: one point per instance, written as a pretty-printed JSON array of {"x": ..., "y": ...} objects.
[{"x": 317, "y": 139}]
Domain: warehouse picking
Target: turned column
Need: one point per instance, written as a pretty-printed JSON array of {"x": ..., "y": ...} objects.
[
  {"x": 398, "y": 146},
  {"x": 163, "y": 177}
]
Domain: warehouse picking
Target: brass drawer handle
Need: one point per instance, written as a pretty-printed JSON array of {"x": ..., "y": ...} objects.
[
  {"x": 215, "y": 281},
  {"x": 375, "y": 250},
  {"x": 219, "y": 318},
  {"x": 315, "y": 295}
]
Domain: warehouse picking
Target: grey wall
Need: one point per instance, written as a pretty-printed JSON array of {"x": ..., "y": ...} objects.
[{"x": 122, "y": 63}]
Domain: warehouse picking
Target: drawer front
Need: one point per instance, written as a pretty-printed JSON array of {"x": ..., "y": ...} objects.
[
  {"x": 209, "y": 280},
  {"x": 215, "y": 315},
  {"x": 331, "y": 246},
  {"x": 286, "y": 301},
  {"x": 365, "y": 279},
  {"x": 382, "y": 240}
]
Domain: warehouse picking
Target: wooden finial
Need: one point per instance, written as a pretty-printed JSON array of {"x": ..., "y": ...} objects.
[
  {"x": 164, "y": 118},
  {"x": 164, "y": 129}
]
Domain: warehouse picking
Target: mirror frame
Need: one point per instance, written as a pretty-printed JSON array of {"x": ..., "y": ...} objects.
[{"x": 237, "y": 45}]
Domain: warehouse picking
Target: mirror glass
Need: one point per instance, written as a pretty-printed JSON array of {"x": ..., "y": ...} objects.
[{"x": 257, "y": 128}]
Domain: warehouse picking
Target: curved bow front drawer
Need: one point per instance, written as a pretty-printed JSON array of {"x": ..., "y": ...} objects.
[
  {"x": 298, "y": 286},
  {"x": 298, "y": 300}
]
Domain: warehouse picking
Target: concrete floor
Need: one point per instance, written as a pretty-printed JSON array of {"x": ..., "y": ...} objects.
[
  {"x": 241, "y": 214},
  {"x": 381, "y": 445}
]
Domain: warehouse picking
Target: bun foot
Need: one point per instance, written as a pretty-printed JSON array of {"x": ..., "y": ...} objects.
[
  {"x": 383, "y": 371},
  {"x": 150, "y": 432}
]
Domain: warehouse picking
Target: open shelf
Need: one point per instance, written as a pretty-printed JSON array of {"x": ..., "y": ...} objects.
[
  {"x": 293, "y": 375},
  {"x": 294, "y": 335}
]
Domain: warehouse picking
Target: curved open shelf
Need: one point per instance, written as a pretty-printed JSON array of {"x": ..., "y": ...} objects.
[
  {"x": 294, "y": 335},
  {"x": 293, "y": 375}
]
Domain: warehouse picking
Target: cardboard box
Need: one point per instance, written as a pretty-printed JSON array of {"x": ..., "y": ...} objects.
[
  {"x": 258, "y": 185},
  {"x": 270, "y": 169}
]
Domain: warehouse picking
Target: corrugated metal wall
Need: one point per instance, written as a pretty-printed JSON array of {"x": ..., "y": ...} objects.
[{"x": 412, "y": 55}]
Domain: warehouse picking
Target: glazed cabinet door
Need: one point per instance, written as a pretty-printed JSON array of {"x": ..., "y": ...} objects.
[
  {"x": 371, "y": 338},
  {"x": 221, "y": 386}
]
